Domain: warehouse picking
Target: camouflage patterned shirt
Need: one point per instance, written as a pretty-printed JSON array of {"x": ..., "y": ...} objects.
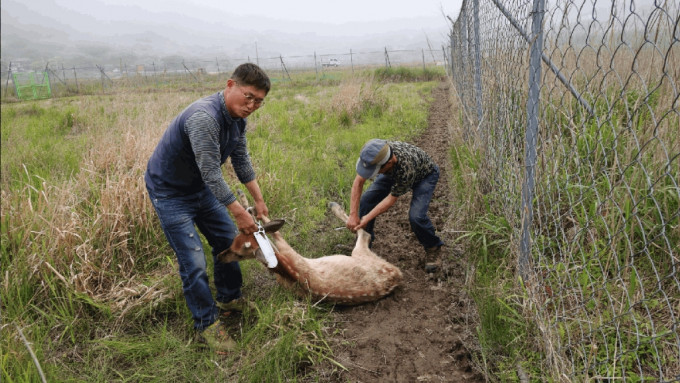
[{"x": 413, "y": 165}]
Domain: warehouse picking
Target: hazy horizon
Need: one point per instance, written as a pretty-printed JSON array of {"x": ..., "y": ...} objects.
[{"x": 75, "y": 30}]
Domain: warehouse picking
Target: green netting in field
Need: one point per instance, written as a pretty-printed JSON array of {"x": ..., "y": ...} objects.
[{"x": 32, "y": 85}]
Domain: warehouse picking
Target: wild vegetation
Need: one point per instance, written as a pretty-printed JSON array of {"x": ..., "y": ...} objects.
[
  {"x": 89, "y": 287},
  {"x": 603, "y": 294}
]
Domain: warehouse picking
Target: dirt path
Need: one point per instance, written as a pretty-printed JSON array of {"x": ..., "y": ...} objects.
[{"x": 420, "y": 332}]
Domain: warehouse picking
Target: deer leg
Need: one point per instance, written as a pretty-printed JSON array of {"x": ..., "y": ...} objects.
[
  {"x": 363, "y": 238},
  {"x": 338, "y": 211}
]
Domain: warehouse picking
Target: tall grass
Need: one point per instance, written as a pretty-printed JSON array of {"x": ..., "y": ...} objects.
[
  {"x": 508, "y": 348},
  {"x": 86, "y": 272},
  {"x": 611, "y": 195},
  {"x": 402, "y": 73},
  {"x": 41, "y": 135},
  {"x": 603, "y": 297}
]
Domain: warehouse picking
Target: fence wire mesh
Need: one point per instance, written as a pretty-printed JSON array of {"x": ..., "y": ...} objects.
[
  {"x": 71, "y": 79},
  {"x": 591, "y": 162}
]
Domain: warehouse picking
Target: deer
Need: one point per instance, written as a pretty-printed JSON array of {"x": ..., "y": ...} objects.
[{"x": 335, "y": 279}]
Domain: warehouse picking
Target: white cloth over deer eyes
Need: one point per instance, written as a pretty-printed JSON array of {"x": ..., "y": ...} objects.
[{"x": 266, "y": 247}]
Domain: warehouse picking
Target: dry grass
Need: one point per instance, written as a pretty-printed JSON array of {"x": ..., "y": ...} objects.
[
  {"x": 354, "y": 96},
  {"x": 87, "y": 230},
  {"x": 604, "y": 227},
  {"x": 92, "y": 272}
]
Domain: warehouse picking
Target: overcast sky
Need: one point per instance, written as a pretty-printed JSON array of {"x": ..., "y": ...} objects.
[
  {"x": 276, "y": 26},
  {"x": 308, "y": 12},
  {"x": 332, "y": 12}
]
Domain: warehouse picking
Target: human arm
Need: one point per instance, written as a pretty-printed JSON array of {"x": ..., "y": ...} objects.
[
  {"x": 260, "y": 207},
  {"x": 380, "y": 208},
  {"x": 203, "y": 133},
  {"x": 240, "y": 160},
  {"x": 244, "y": 221},
  {"x": 355, "y": 222}
]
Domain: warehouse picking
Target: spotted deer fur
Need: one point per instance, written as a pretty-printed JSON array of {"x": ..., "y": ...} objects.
[{"x": 359, "y": 278}]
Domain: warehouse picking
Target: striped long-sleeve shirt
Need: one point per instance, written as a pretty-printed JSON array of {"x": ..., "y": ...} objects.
[{"x": 193, "y": 148}]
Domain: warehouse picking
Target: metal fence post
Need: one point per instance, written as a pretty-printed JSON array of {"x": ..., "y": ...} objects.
[
  {"x": 63, "y": 73},
  {"x": 590, "y": 194},
  {"x": 531, "y": 136},
  {"x": 75, "y": 76},
  {"x": 463, "y": 52},
  {"x": 351, "y": 59},
  {"x": 9, "y": 74},
  {"x": 101, "y": 76},
  {"x": 478, "y": 65}
]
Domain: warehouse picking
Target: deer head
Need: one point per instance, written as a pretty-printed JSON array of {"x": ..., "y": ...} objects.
[{"x": 246, "y": 246}]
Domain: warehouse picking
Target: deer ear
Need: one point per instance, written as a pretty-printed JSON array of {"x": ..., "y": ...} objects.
[
  {"x": 226, "y": 256},
  {"x": 273, "y": 226}
]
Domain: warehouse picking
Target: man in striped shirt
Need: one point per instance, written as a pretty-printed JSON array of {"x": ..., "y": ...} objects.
[
  {"x": 399, "y": 167},
  {"x": 185, "y": 183}
]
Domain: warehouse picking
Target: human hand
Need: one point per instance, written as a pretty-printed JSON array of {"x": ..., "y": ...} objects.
[
  {"x": 245, "y": 223},
  {"x": 362, "y": 224},
  {"x": 261, "y": 209},
  {"x": 352, "y": 223}
]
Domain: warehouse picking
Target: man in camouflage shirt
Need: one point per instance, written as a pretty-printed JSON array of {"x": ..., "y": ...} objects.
[{"x": 399, "y": 167}]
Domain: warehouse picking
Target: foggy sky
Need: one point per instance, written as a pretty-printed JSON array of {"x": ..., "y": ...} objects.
[{"x": 211, "y": 27}]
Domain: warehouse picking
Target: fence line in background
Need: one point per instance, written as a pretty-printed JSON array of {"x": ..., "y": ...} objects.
[
  {"x": 79, "y": 79},
  {"x": 574, "y": 104}
]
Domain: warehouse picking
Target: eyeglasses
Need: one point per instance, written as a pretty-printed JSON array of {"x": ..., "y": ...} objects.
[{"x": 257, "y": 102}]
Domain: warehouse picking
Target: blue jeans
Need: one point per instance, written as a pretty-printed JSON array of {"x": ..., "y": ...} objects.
[
  {"x": 420, "y": 202},
  {"x": 179, "y": 218}
]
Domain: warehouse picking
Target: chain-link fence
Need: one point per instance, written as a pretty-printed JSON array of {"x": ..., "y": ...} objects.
[
  {"x": 67, "y": 80},
  {"x": 575, "y": 105}
]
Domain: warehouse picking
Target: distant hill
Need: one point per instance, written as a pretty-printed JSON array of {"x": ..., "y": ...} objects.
[{"x": 75, "y": 37}]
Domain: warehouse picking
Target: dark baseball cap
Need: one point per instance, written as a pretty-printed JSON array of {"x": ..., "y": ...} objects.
[{"x": 374, "y": 154}]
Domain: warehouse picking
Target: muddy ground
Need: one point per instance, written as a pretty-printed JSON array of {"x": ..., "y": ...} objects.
[{"x": 424, "y": 331}]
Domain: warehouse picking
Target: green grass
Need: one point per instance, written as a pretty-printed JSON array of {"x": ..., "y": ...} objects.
[
  {"x": 39, "y": 135},
  {"x": 86, "y": 272},
  {"x": 507, "y": 340},
  {"x": 604, "y": 239},
  {"x": 615, "y": 187},
  {"x": 409, "y": 74},
  {"x": 306, "y": 123}
]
